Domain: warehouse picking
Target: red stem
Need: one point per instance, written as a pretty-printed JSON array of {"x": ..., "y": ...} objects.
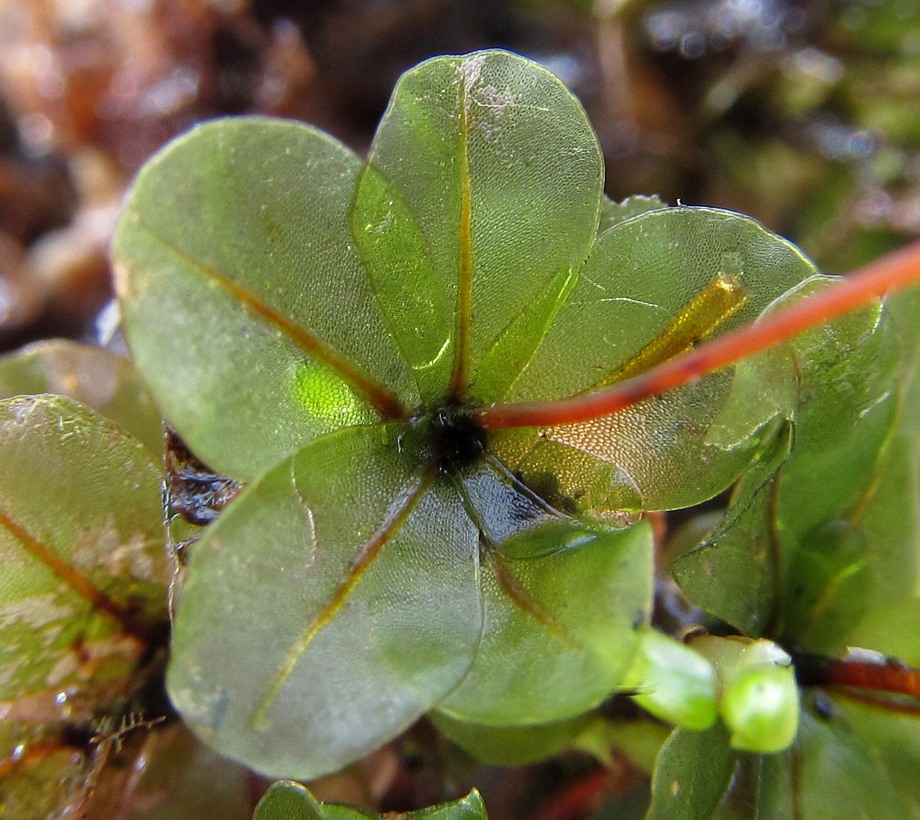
[
  {"x": 891, "y": 273},
  {"x": 891, "y": 678}
]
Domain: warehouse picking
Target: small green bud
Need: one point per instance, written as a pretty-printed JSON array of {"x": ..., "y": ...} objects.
[
  {"x": 675, "y": 683},
  {"x": 761, "y": 708}
]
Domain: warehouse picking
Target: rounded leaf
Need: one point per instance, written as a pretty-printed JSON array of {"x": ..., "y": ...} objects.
[
  {"x": 357, "y": 575},
  {"x": 673, "y": 682},
  {"x": 236, "y": 274},
  {"x": 83, "y": 587},
  {"x": 543, "y": 657}
]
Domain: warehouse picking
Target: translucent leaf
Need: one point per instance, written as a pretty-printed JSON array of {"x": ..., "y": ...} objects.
[
  {"x": 290, "y": 291},
  {"x": 889, "y": 737},
  {"x": 760, "y": 707},
  {"x": 244, "y": 304},
  {"x": 342, "y": 558},
  {"x": 470, "y": 807},
  {"x": 612, "y": 213},
  {"x": 503, "y": 173},
  {"x": 653, "y": 286},
  {"x": 83, "y": 591},
  {"x": 831, "y": 587},
  {"x": 540, "y": 658},
  {"x": 848, "y": 760},
  {"x": 790, "y": 541},
  {"x": 837, "y": 776},
  {"x": 101, "y": 380},
  {"x": 672, "y": 681},
  {"x": 890, "y": 517},
  {"x": 731, "y": 574}
]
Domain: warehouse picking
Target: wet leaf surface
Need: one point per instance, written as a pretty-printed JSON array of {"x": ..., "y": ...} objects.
[{"x": 83, "y": 597}]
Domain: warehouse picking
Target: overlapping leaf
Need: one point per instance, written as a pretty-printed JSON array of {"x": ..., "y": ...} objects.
[
  {"x": 83, "y": 592},
  {"x": 512, "y": 745},
  {"x": 321, "y": 328},
  {"x": 849, "y": 760},
  {"x": 890, "y": 517},
  {"x": 81, "y": 544},
  {"x": 793, "y": 542},
  {"x": 358, "y": 577},
  {"x": 101, "y": 380}
]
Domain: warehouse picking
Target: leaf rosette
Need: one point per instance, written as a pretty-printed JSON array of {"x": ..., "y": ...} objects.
[{"x": 326, "y": 329}]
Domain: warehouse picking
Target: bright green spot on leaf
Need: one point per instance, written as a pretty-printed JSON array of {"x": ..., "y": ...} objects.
[{"x": 324, "y": 396}]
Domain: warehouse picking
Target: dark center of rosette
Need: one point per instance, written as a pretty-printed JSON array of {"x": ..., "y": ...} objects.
[{"x": 447, "y": 437}]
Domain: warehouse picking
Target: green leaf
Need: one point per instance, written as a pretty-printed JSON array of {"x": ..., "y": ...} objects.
[
  {"x": 837, "y": 776},
  {"x": 789, "y": 542},
  {"x": 270, "y": 304},
  {"x": 541, "y": 659},
  {"x": 759, "y": 698},
  {"x": 512, "y": 745},
  {"x": 832, "y": 589},
  {"x": 499, "y": 165},
  {"x": 83, "y": 591},
  {"x": 760, "y": 707},
  {"x": 470, "y": 807},
  {"x": 653, "y": 286},
  {"x": 638, "y": 739},
  {"x": 340, "y": 557},
  {"x": 692, "y": 774},
  {"x": 101, "y": 380},
  {"x": 890, "y": 516},
  {"x": 324, "y": 329},
  {"x": 612, "y": 213},
  {"x": 848, "y": 760},
  {"x": 889, "y": 738},
  {"x": 740, "y": 552},
  {"x": 773, "y": 782},
  {"x": 286, "y": 800}
]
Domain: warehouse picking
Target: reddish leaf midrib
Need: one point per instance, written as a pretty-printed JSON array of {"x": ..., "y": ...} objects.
[
  {"x": 76, "y": 580},
  {"x": 381, "y": 398},
  {"x": 358, "y": 566},
  {"x": 461, "y": 372}
]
